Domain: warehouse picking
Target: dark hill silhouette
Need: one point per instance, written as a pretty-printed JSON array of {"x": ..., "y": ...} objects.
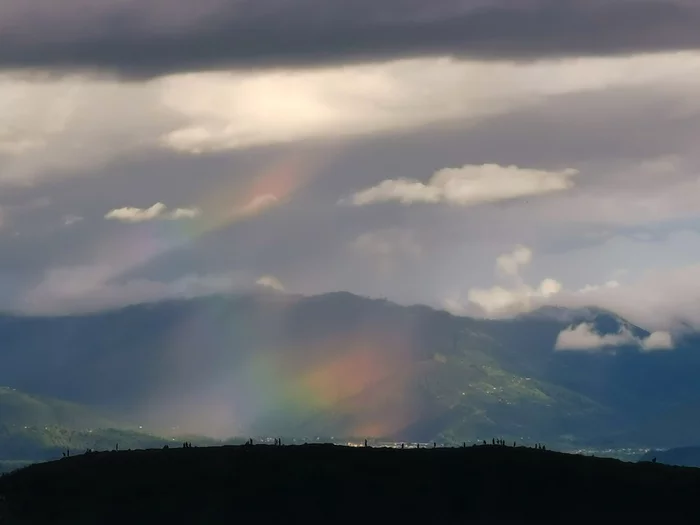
[
  {"x": 277, "y": 364},
  {"x": 330, "y": 484}
]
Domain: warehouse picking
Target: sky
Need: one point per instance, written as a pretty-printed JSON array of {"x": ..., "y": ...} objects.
[{"x": 482, "y": 156}]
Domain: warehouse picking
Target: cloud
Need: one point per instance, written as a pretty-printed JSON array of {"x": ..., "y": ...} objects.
[
  {"x": 185, "y": 213},
  {"x": 71, "y": 125},
  {"x": 584, "y": 338},
  {"x": 77, "y": 124},
  {"x": 455, "y": 307},
  {"x": 595, "y": 287},
  {"x": 269, "y": 281},
  {"x": 505, "y": 301},
  {"x": 157, "y": 211},
  {"x": 80, "y": 289},
  {"x": 510, "y": 263},
  {"x": 499, "y": 301},
  {"x": 469, "y": 185},
  {"x": 658, "y": 341},
  {"x": 70, "y": 220},
  {"x": 130, "y": 214},
  {"x": 659, "y": 299},
  {"x": 180, "y": 36}
]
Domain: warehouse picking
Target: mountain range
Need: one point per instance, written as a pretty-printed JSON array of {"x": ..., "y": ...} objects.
[{"x": 341, "y": 365}]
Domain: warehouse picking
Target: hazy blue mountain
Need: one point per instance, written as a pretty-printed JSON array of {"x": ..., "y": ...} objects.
[
  {"x": 18, "y": 409},
  {"x": 338, "y": 364},
  {"x": 681, "y": 456}
]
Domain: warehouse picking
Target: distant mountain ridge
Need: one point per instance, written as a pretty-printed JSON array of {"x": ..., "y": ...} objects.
[
  {"x": 682, "y": 456},
  {"x": 604, "y": 321},
  {"x": 339, "y": 364}
]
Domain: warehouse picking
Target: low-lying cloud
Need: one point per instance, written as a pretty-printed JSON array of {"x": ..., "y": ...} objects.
[
  {"x": 271, "y": 282},
  {"x": 517, "y": 298},
  {"x": 584, "y": 338}
]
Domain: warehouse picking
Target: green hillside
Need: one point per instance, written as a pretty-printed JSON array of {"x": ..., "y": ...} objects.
[
  {"x": 460, "y": 394},
  {"x": 36, "y": 428},
  {"x": 18, "y": 409},
  {"x": 342, "y": 365}
]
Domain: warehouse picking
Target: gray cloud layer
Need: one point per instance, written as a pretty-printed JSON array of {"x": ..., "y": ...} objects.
[{"x": 151, "y": 38}]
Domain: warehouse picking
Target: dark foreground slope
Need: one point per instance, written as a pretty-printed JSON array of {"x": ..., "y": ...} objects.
[{"x": 330, "y": 484}]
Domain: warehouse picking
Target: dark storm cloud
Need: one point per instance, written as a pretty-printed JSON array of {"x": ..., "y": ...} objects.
[{"x": 151, "y": 38}]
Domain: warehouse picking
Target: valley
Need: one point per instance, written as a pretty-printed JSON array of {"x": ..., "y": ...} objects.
[{"x": 336, "y": 366}]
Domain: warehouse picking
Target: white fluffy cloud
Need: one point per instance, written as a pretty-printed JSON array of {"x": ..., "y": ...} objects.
[
  {"x": 157, "y": 211},
  {"x": 658, "y": 341},
  {"x": 584, "y": 338},
  {"x": 272, "y": 282},
  {"x": 469, "y": 185},
  {"x": 520, "y": 297},
  {"x": 505, "y": 301}
]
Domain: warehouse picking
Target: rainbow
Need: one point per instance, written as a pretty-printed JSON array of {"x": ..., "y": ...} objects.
[{"x": 238, "y": 200}]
